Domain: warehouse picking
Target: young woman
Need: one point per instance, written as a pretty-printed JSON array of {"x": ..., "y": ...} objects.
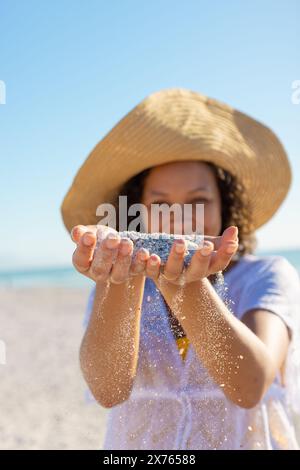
[{"x": 181, "y": 364}]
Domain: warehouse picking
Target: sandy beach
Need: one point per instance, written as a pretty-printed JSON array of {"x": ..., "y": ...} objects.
[{"x": 42, "y": 394}]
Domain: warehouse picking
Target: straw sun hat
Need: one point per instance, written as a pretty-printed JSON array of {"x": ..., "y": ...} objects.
[{"x": 175, "y": 125}]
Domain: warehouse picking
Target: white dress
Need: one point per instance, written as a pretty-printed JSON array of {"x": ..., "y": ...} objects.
[{"x": 175, "y": 404}]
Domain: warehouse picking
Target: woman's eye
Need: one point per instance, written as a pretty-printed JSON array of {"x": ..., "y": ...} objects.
[
  {"x": 159, "y": 202},
  {"x": 200, "y": 200}
]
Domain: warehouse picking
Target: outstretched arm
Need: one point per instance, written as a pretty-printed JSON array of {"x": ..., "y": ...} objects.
[{"x": 242, "y": 357}]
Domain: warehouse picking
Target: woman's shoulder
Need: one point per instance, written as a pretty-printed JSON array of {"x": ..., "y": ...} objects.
[
  {"x": 261, "y": 265},
  {"x": 265, "y": 282}
]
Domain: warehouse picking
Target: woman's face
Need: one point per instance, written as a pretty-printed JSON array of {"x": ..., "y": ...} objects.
[{"x": 188, "y": 182}]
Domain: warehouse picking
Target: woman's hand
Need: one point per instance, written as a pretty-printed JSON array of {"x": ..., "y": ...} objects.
[
  {"x": 215, "y": 255},
  {"x": 112, "y": 261}
]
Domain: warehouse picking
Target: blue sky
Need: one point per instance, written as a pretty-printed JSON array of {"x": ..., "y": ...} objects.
[{"x": 72, "y": 69}]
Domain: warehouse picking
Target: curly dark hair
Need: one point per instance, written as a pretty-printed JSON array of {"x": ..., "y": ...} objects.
[{"x": 235, "y": 207}]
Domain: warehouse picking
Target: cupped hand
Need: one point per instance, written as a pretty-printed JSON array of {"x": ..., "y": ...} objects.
[
  {"x": 113, "y": 259},
  {"x": 214, "y": 256}
]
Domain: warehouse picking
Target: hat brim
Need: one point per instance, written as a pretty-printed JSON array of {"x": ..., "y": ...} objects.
[{"x": 181, "y": 125}]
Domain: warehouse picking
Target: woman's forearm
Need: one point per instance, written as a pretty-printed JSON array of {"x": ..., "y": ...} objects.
[
  {"x": 234, "y": 356},
  {"x": 109, "y": 349}
]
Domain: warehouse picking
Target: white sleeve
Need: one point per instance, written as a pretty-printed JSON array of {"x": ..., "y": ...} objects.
[{"x": 274, "y": 286}]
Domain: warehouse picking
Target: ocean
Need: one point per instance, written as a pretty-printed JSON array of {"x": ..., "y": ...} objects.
[{"x": 69, "y": 277}]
